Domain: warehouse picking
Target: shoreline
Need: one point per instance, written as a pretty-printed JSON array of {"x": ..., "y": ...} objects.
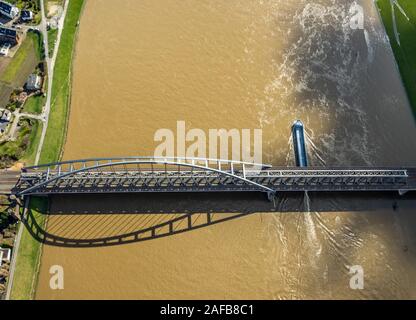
[
  {"x": 30, "y": 249},
  {"x": 69, "y": 102},
  {"x": 398, "y": 52},
  {"x": 44, "y": 266},
  {"x": 61, "y": 95}
]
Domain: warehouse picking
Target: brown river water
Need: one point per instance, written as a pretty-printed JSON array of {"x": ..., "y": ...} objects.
[{"x": 144, "y": 65}]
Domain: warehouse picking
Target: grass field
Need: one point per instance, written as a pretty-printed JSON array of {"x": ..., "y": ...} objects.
[
  {"x": 14, "y": 76},
  {"x": 20, "y": 66},
  {"x": 5, "y": 92},
  {"x": 52, "y": 35},
  {"x": 24, "y": 61},
  {"x": 12, "y": 151},
  {"x": 34, "y": 104},
  {"x": 61, "y": 91},
  {"x": 28, "y": 258},
  {"x": 405, "y": 53},
  {"x": 30, "y": 153},
  {"x": 37, "y": 39}
]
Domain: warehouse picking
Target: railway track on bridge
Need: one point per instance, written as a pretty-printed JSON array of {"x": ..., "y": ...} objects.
[
  {"x": 148, "y": 174},
  {"x": 8, "y": 180}
]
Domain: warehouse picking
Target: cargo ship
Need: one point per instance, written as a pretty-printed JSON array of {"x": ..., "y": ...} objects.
[{"x": 298, "y": 134}]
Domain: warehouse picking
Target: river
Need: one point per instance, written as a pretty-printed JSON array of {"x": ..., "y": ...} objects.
[{"x": 144, "y": 65}]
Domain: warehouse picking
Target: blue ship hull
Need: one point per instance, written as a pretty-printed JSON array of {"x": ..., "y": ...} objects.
[{"x": 299, "y": 144}]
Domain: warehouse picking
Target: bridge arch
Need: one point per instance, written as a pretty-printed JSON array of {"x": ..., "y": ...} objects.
[{"x": 102, "y": 163}]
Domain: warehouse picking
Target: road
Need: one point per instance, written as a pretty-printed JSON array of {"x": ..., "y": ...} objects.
[
  {"x": 11, "y": 134},
  {"x": 50, "y": 62}
]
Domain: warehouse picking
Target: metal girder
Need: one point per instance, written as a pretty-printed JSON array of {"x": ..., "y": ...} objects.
[
  {"x": 209, "y": 176},
  {"x": 148, "y": 174}
]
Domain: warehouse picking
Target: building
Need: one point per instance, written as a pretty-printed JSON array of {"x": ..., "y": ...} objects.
[
  {"x": 9, "y": 35},
  {"x": 34, "y": 82},
  {"x": 3, "y": 126},
  {"x": 6, "y": 115},
  {"x": 5, "y": 255},
  {"x": 8, "y": 10},
  {"x": 5, "y": 118},
  {"x": 26, "y": 15}
]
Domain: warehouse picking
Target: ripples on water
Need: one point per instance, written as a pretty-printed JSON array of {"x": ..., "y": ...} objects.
[{"x": 238, "y": 64}]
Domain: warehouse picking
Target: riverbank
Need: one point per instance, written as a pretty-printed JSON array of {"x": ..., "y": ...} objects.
[
  {"x": 405, "y": 53},
  {"x": 28, "y": 257},
  {"x": 61, "y": 93}
]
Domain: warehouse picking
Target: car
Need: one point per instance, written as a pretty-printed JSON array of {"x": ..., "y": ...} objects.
[{"x": 5, "y": 49}]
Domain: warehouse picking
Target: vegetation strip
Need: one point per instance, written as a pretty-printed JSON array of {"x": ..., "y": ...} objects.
[
  {"x": 55, "y": 134},
  {"x": 28, "y": 257},
  {"x": 405, "y": 53}
]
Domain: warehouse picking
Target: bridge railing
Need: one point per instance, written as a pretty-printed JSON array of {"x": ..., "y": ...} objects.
[{"x": 150, "y": 174}]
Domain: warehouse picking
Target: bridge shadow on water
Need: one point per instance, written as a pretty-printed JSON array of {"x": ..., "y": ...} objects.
[{"x": 85, "y": 221}]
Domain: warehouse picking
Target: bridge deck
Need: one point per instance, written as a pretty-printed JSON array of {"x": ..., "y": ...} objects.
[
  {"x": 8, "y": 180},
  {"x": 128, "y": 180}
]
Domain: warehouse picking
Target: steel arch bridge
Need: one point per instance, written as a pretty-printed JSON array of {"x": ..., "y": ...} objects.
[{"x": 151, "y": 174}]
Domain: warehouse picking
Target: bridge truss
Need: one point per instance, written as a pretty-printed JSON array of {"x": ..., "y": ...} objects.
[{"x": 150, "y": 174}]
